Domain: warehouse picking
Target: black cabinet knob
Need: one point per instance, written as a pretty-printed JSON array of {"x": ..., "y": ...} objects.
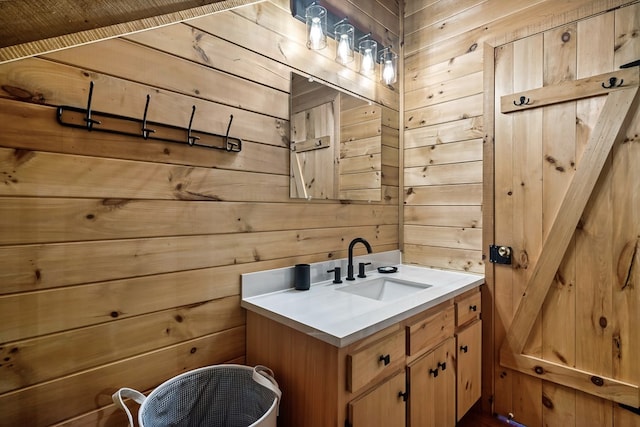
[
  {"x": 473, "y": 308},
  {"x": 442, "y": 365},
  {"x": 464, "y": 348},
  {"x": 403, "y": 395},
  {"x": 385, "y": 358},
  {"x": 434, "y": 372}
]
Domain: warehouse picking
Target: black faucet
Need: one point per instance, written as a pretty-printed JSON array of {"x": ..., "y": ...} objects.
[{"x": 351, "y": 245}]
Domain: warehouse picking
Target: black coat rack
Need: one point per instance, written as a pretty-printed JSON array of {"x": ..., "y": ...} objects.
[{"x": 112, "y": 123}]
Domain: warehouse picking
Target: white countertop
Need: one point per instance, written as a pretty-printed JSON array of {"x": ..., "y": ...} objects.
[{"x": 341, "y": 318}]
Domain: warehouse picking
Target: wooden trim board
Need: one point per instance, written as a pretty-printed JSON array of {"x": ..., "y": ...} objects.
[
  {"x": 570, "y": 90},
  {"x": 604, "y": 387}
]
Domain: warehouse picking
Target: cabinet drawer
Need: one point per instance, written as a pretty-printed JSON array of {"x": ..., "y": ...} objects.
[
  {"x": 430, "y": 331},
  {"x": 376, "y": 360},
  {"x": 468, "y": 309}
]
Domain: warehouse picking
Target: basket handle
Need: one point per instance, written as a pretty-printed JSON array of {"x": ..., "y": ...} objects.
[
  {"x": 265, "y": 377},
  {"x": 137, "y": 397}
]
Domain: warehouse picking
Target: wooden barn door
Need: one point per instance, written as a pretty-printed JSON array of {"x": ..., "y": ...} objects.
[{"x": 567, "y": 201}]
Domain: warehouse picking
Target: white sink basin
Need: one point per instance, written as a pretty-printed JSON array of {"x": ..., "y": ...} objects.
[{"x": 384, "y": 289}]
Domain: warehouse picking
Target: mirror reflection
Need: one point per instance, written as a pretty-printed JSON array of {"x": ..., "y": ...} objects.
[{"x": 336, "y": 143}]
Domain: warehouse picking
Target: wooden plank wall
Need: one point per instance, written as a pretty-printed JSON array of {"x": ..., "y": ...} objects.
[
  {"x": 443, "y": 116},
  {"x": 120, "y": 258},
  {"x": 446, "y": 45}
]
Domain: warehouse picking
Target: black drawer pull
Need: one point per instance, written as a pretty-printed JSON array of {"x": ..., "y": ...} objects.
[
  {"x": 473, "y": 308},
  {"x": 434, "y": 372},
  {"x": 464, "y": 348},
  {"x": 442, "y": 365},
  {"x": 404, "y": 395},
  {"x": 386, "y": 359}
]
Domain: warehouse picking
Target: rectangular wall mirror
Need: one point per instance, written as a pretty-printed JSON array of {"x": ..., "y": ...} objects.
[{"x": 336, "y": 143}]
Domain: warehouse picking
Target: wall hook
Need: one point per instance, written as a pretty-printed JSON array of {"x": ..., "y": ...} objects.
[
  {"x": 87, "y": 118},
  {"x": 523, "y": 101},
  {"x": 145, "y": 130},
  {"x": 191, "y": 139},
  {"x": 230, "y": 145},
  {"x": 612, "y": 83}
]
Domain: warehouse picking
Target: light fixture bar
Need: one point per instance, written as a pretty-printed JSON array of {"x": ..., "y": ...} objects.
[{"x": 298, "y": 11}]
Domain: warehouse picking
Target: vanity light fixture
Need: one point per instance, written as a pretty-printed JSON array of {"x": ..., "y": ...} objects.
[
  {"x": 316, "y": 18},
  {"x": 388, "y": 66},
  {"x": 368, "y": 49},
  {"x": 344, "y": 33}
]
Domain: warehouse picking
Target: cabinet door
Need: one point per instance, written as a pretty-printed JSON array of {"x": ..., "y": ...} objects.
[
  {"x": 432, "y": 385},
  {"x": 384, "y": 406},
  {"x": 469, "y": 366}
]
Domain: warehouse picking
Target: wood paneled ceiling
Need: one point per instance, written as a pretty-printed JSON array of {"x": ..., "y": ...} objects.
[{"x": 29, "y": 27}]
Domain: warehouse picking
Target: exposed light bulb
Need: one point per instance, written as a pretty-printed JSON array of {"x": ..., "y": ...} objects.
[
  {"x": 368, "y": 64},
  {"x": 343, "y": 49},
  {"x": 388, "y": 73},
  {"x": 315, "y": 34}
]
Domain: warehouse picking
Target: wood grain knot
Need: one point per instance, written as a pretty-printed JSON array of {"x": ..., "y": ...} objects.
[
  {"x": 23, "y": 94},
  {"x": 539, "y": 370},
  {"x": 603, "y": 322},
  {"x": 597, "y": 381}
]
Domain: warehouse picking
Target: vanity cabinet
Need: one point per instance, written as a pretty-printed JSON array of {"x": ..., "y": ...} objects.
[{"x": 408, "y": 374}]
